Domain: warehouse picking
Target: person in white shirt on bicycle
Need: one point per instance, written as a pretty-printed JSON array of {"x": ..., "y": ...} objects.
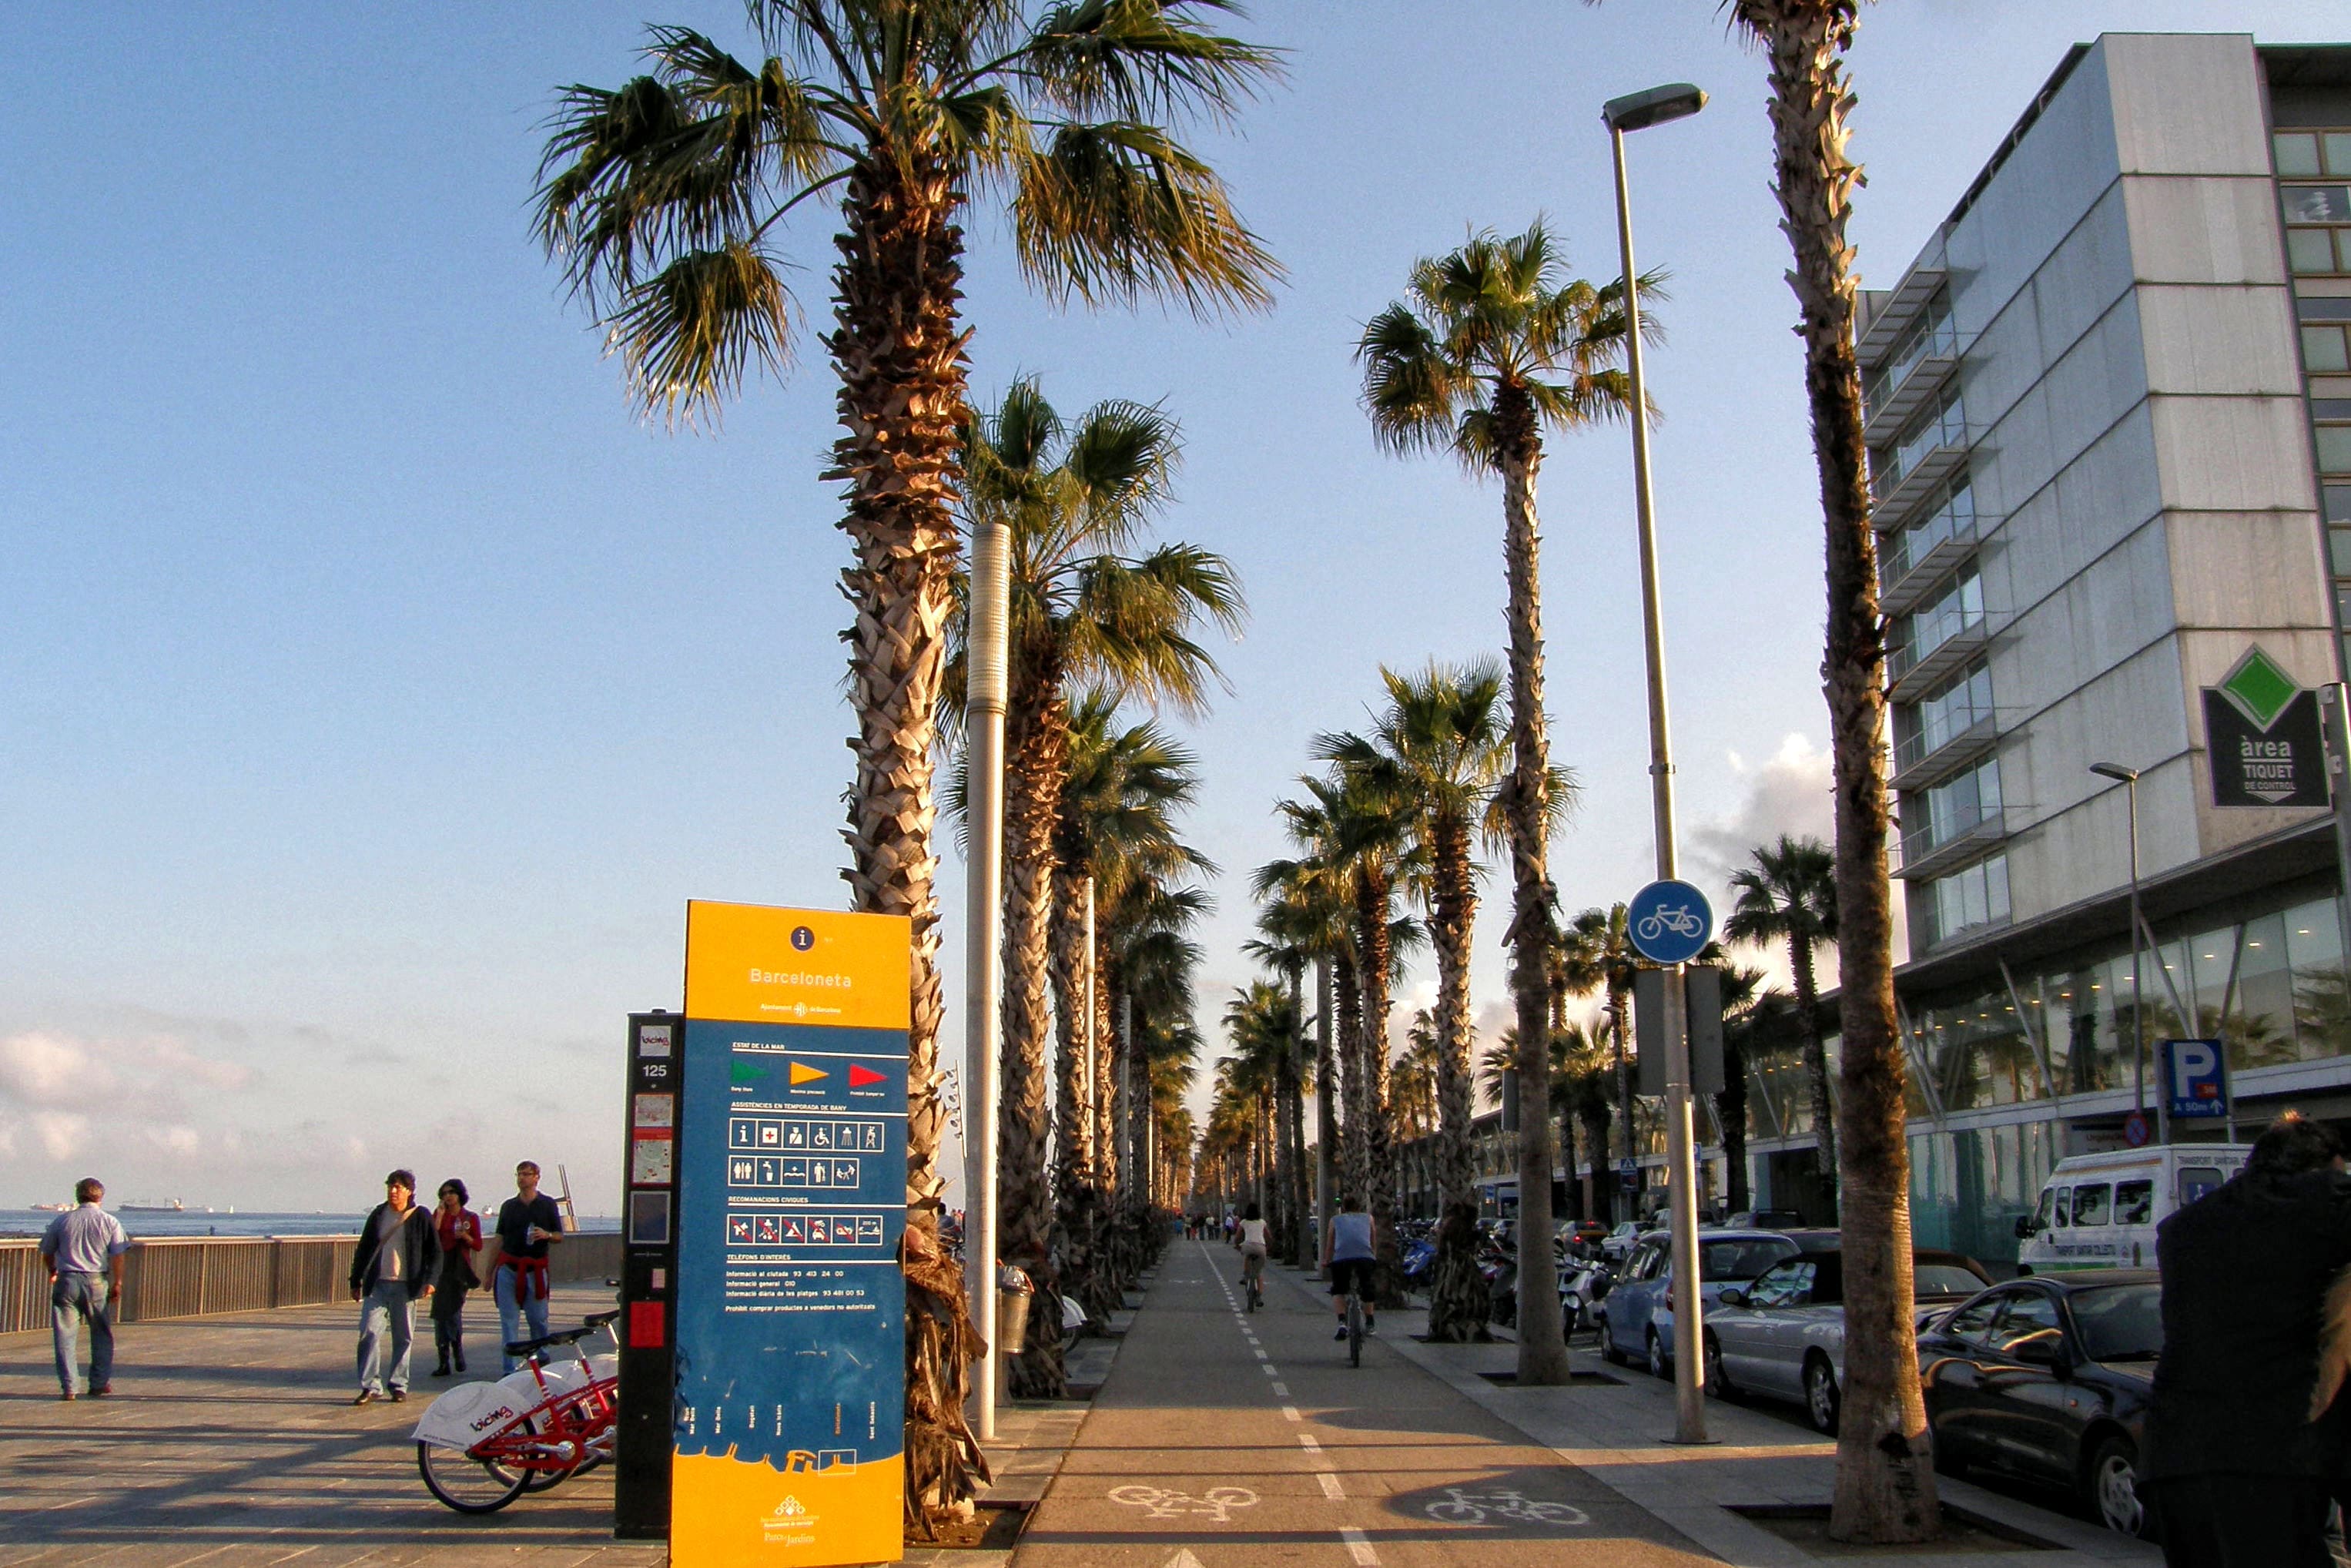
[{"x": 1251, "y": 1240}]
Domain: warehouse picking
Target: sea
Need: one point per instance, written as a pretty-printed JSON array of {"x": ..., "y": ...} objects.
[{"x": 201, "y": 1222}]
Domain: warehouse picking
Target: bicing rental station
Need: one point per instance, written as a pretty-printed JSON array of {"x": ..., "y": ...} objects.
[{"x": 762, "y": 1415}]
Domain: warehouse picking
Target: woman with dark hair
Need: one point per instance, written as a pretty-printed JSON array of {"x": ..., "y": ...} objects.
[{"x": 460, "y": 1230}]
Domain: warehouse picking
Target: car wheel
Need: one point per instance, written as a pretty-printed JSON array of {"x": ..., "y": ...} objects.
[
  {"x": 1608, "y": 1351},
  {"x": 1821, "y": 1396},
  {"x": 2112, "y": 1486},
  {"x": 1717, "y": 1382},
  {"x": 1658, "y": 1366}
]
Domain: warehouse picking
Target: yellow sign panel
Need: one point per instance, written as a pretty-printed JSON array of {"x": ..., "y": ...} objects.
[{"x": 748, "y": 963}]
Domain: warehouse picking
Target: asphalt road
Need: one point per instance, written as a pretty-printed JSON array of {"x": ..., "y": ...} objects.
[{"x": 1227, "y": 1437}]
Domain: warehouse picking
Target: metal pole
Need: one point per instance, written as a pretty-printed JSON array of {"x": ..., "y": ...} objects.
[
  {"x": 991, "y": 563},
  {"x": 2335, "y": 730},
  {"x": 1689, "y": 1370},
  {"x": 2138, "y": 1001}
]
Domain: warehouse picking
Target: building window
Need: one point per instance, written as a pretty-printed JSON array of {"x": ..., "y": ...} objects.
[
  {"x": 1931, "y": 334},
  {"x": 1930, "y": 723},
  {"x": 2302, "y": 154},
  {"x": 2324, "y": 351},
  {"x": 1954, "y": 517},
  {"x": 2334, "y": 448},
  {"x": 1959, "y": 607},
  {"x": 1967, "y": 899},
  {"x": 2319, "y": 227},
  {"x": 1944, "y": 425},
  {"x": 1960, "y": 805}
]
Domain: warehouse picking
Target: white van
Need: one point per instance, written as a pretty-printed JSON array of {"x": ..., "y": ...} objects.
[{"x": 2100, "y": 1211}]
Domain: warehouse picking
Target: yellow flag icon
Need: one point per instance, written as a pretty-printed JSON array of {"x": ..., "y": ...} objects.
[{"x": 803, "y": 1073}]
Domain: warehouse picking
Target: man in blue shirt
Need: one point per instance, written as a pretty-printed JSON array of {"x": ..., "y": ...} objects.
[
  {"x": 83, "y": 1248},
  {"x": 1348, "y": 1254}
]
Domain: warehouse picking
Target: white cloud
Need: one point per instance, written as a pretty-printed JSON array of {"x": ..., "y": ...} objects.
[
  {"x": 1790, "y": 792},
  {"x": 41, "y": 1069},
  {"x": 60, "y": 1133}
]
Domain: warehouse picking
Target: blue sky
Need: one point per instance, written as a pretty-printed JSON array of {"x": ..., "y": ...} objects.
[{"x": 375, "y": 688}]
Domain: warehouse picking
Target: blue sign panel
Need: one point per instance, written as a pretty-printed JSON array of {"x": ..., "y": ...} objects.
[
  {"x": 1669, "y": 922},
  {"x": 2195, "y": 1077}
]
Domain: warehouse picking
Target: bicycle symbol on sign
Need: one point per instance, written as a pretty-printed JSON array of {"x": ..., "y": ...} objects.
[
  {"x": 1458, "y": 1507},
  {"x": 1680, "y": 919},
  {"x": 1217, "y": 1502}
]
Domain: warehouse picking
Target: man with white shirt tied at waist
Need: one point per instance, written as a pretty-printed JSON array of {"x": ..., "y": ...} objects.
[{"x": 83, "y": 1248}]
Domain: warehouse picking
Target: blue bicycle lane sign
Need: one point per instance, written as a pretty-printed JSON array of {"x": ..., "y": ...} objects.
[{"x": 1669, "y": 922}]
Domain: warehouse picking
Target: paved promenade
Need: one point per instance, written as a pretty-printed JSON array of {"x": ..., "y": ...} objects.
[{"x": 231, "y": 1442}]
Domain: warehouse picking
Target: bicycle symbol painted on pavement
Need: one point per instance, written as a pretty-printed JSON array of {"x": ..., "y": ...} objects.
[
  {"x": 1216, "y": 1504},
  {"x": 1458, "y": 1507},
  {"x": 1681, "y": 920}
]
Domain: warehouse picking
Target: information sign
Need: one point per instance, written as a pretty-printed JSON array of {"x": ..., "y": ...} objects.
[
  {"x": 1669, "y": 922},
  {"x": 2263, "y": 737},
  {"x": 2195, "y": 1073},
  {"x": 791, "y": 1171}
]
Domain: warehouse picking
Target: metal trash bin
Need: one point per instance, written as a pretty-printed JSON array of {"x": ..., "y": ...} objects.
[{"x": 1012, "y": 1339}]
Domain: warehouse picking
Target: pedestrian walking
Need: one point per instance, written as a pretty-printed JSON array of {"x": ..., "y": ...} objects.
[
  {"x": 458, "y": 1229},
  {"x": 83, "y": 1250},
  {"x": 528, "y": 1224},
  {"x": 395, "y": 1263},
  {"x": 2237, "y": 1470}
]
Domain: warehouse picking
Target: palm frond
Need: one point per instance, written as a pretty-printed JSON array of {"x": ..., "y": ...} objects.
[{"x": 686, "y": 336}]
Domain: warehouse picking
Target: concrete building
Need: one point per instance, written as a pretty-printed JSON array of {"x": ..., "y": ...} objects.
[{"x": 2109, "y": 415}]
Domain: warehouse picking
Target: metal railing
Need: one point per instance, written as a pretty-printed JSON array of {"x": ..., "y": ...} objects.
[{"x": 196, "y": 1276}]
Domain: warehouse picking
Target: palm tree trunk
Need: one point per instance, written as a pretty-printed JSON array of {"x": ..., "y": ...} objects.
[
  {"x": 1036, "y": 760},
  {"x": 1600, "y": 1186},
  {"x": 1326, "y": 1109},
  {"x": 1731, "y": 1106},
  {"x": 1885, "y": 1483},
  {"x": 1354, "y": 1174},
  {"x": 1297, "y": 1197},
  {"x": 1816, "y": 1061},
  {"x": 1627, "y": 1202},
  {"x": 1372, "y": 903},
  {"x": 1459, "y": 1302},
  {"x": 898, "y": 348},
  {"x": 1106, "y": 1060},
  {"x": 1542, "y": 1345}
]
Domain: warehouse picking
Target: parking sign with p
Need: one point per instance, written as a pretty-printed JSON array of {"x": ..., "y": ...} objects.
[{"x": 2195, "y": 1077}]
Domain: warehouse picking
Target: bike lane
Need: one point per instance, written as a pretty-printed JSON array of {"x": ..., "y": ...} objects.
[{"x": 1246, "y": 1438}]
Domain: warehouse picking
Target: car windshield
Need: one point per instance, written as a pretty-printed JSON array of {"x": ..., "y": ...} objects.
[
  {"x": 2119, "y": 1322},
  {"x": 1740, "y": 1260},
  {"x": 1944, "y": 1280}
]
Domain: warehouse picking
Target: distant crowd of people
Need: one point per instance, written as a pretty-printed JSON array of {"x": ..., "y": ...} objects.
[{"x": 407, "y": 1253}]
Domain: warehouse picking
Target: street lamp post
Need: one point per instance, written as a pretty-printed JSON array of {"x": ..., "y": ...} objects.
[
  {"x": 988, "y": 684},
  {"x": 1637, "y": 112},
  {"x": 2129, "y": 779}
]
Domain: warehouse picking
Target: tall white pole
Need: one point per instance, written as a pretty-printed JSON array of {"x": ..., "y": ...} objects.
[
  {"x": 991, "y": 564},
  {"x": 1689, "y": 1397}
]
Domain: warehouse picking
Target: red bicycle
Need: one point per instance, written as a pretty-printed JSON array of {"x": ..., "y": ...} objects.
[{"x": 482, "y": 1445}]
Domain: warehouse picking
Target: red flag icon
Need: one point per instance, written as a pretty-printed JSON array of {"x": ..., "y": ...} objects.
[{"x": 860, "y": 1076}]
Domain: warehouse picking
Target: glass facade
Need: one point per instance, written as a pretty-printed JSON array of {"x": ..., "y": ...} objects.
[
  {"x": 1924, "y": 727},
  {"x": 2315, "y": 199},
  {"x": 1931, "y": 334},
  {"x": 1972, "y": 896},
  {"x": 1953, "y": 517},
  {"x": 1957, "y": 608},
  {"x": 1944, "y": 425}
]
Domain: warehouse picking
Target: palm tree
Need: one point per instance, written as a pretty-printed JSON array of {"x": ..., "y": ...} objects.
[
  {"x": 1441, "y": 749},
  {"x": 1495, "y": 344},
  {"x": 663, "y": 198},
  {"x": 1596, "y": 954},
  {"x": 1789, "y": 893},
  {"x": 1885, "y": 1484},
  {"x": 1305, "y": 913}
]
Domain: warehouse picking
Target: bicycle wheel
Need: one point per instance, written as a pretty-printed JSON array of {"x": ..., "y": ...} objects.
[
  {"x": 467, "y": 1484},
  {"x": 1355, "y": 1330}
]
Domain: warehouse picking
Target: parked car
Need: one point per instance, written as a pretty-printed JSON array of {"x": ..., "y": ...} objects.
[
  {"x": 1580, "y": 1235},
  {"x": 1637, "y": 1317},
  {"x": 1618, "y": 1244},
  {"x": 2100, "y": 1211},
  {"x": 1764, "y": 1219},
  {"x": 2047, "y": 1377},
  {"x": 1782, "y": 1337}
]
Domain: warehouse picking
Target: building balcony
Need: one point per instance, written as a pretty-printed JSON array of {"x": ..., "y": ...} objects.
[
  {"x": 1918, "y": 764},
  {"x": 1925, "y": 858},
  {"x": 1915, "y": 560},
  {"x": 1899, "y": 492},
  {"x": 1910, "y": 297},
  {"x": 1914, "y": 667},
  {"x": 1910, "y": 387}
]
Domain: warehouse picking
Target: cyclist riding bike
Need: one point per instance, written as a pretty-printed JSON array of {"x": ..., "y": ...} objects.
[
  {"x": 1251, "y": 1241},
  {"x": 1347, "y": 1254}
]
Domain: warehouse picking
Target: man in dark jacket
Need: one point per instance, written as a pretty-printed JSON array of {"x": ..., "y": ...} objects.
[
  {"x": 2237, "y": 1472},
  {"x": 393, "y": 1264}
]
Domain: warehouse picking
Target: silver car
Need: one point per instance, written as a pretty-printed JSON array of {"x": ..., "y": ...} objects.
[{"x": 1782, "y": 1337}]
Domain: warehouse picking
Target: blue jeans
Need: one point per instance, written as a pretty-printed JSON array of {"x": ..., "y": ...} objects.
[
  {"x": 387, "y": 1304},
  {"x": 76, "y": 1300},
  {"x": 512, "y": 1314}
]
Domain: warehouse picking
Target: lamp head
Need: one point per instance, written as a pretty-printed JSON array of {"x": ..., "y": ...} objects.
[
  {"x": 1652, "y": 105},
  {"x": 2116, "y": 771}
]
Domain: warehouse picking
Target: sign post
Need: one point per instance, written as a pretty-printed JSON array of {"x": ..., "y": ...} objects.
[
  {"x": 1669, "y": 922},
  {"x": 789, "y": 1422},
  {"x": 2195, "y": 1079}
]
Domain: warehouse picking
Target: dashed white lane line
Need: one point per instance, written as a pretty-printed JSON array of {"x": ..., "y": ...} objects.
[
  {"x": 1307, "y": 1441},
  {"x": 1281, "y": 1390},
  {"x": 1258, "y": 1350},
  {"x": 1271, "y": 1370},
  {"x": 1359, "y": 1547},
  {"x": 1331, "y": 1488},
  {"x": 1290, "y": 1413}
]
